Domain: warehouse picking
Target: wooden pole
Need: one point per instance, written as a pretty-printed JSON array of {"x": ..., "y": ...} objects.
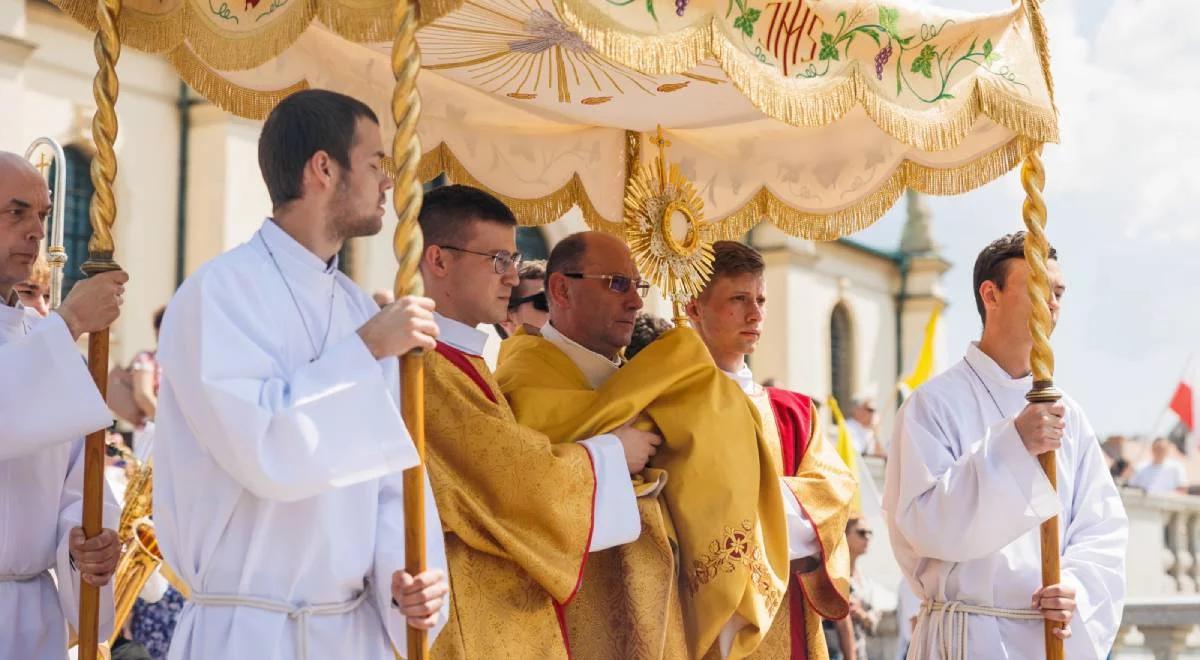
[
  {"x": 102, "y": 215},
  {"x": 1037, "y": 253},
  {"x": 408, "y": 246}
]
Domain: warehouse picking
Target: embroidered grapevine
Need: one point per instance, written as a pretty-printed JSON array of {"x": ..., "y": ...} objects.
[
  {"x": 747, "y": 17},
  {"x": 924, "y": 57}
]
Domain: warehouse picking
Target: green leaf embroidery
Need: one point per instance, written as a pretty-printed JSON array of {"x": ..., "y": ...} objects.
[
  {"x": 747, "y": 20},
  {"x": 650, "y": 8},
  {"x": 905, "y": 41},
  {"x": 889, "y": 19},
  {"x": 873, "y": 34},
  {"x": 923, "y": 64},
  {"x": 829, "y": 51},
  {"x": 987, "y": 48},
  {"x": 991, "y": 57}
]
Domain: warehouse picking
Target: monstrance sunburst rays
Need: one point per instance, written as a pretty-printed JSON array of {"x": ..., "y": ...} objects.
[{"x": 665, "y": 229}]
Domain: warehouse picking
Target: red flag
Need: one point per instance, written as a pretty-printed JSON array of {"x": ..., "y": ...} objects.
[{"x": 1181, "y": 405}]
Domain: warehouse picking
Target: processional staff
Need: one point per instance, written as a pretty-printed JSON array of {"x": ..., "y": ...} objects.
[
  {"x": 102, "y": 215},
  {"x": 408, "y": 246},
  {"x": 1041, "y": 359}
]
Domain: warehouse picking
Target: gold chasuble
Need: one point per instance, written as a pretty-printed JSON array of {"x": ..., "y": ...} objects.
[
  {"x": 722, "y": 494},
  {"x": 824, "y": 487},
  {"x": 517, "y": 514}
]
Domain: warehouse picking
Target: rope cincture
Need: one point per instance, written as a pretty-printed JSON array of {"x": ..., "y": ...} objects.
[
  {"x": 297, "y": 613},
  {"x": 946, "y": 624}
]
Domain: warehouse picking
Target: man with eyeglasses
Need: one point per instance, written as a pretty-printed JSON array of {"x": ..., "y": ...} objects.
[
  {"x": 521, "y": 511},
  {"x": 527, "y": 304},
  {"x": 572, "y": 375}
]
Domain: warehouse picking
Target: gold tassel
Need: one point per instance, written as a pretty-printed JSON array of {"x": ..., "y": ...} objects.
[
  {"x": 238, "y": 50},
  {"x": 360, "y": 24},
  {"x": 530, "y": 212},
  {"x": 1041, "y": 41},
  {"x": 241, "y": 101}
]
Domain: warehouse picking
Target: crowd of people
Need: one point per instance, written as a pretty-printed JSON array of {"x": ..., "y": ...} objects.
[{"x": 614, "y": 487}]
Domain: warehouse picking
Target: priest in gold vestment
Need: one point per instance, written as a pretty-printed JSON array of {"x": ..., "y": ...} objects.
[
  {"x": 713, "y": 562},
  {"x": 728, "y": 315},
  {"x": 520, "y": 514}
]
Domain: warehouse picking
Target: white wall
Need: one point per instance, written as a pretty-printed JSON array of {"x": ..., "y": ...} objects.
[{"x": 51, "y": 94}]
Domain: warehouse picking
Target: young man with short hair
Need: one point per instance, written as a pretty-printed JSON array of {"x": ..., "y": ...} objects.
[
  {"x": 965, "y": 494},
  {"x": 521, "y": 511},
  {"x": 816, "y": 486},
  {"x": 278, "y": 494}
]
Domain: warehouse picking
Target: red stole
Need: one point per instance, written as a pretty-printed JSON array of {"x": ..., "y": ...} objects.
[
  {"x": 461, "y": 360},
  {"x": 793, "y": 418}
]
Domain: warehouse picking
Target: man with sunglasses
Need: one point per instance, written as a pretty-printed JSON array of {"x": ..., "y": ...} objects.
[
  {"x": 521, "y": 511},
  {"x": 671, "y": 582},
  {"x": 527, "y": 305},
  {"x": 816, "y": 486}
]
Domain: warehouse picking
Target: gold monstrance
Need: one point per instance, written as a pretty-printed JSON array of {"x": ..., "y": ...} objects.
[{"x": 665, "y": 230}]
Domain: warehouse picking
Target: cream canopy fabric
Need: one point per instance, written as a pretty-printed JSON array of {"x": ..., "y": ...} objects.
[{"x": 814, "y": 114}]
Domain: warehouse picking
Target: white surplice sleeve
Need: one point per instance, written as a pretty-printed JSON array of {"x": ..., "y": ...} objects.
[
  {"x": 70, "y": 513},
  {"x": 802, "y": 536},
  {"x": 615, "y": 517},
  {"x": 389, "y": 556},
  {"x": 940, "y": 495},
  {"x": 49, "y": 397},
  {"x": 1094, "y": 545},
  {"x": 282, "y": 435}
]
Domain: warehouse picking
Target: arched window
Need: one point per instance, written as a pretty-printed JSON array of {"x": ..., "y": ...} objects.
[
  {"x": 77, "y": 229},
  {"x": 841, "y": 345}
]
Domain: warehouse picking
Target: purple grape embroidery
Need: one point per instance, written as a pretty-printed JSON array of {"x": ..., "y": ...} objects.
[{"x": 881, "y": 59}]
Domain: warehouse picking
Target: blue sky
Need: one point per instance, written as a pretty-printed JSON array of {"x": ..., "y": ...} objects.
[{"x": 1122, "y": 191}]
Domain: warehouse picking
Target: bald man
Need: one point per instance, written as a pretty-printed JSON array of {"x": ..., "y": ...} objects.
[
  {"x": 49, "y": 403},
  {"x": 573, "y": 375}
]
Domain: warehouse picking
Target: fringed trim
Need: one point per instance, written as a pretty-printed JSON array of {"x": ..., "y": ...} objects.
[
  {"x": 530, "y": 212},
  {"x": 241, "y": 101},
  {"x": 153, "y": 33},
  {"x": 805, "y": 103},
  {"x": 764, "y": 205},
  {"x": 431, "y": 10},
  {"x": 228, "y": 50},
  {"x": 654, "y": 54},
  {"x": 360, "y": 24},
  {"x": 1041, "y": 41}
]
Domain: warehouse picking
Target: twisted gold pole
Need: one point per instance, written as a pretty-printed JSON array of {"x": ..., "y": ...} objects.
[
  {"x": 103, "y": 214},
  {"x": 1041, "y": 359},
  {"x": 408, "y": 247}
]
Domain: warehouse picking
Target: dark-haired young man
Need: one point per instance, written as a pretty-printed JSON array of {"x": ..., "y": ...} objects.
[
  {"x": 965, "y": 494},
  {"x": 278, "y": 494},
  {"x": 521, "y": 511},
  {"x": 816, "y": 486}
]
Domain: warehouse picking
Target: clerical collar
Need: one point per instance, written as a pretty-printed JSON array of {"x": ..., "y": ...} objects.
[
  {"x": 460, "y": 335},
  {"x": 745, "y": 379},
  {"x": 987, "y": 368},
  {"x": 282, "y": 242},
  {"x": 595, "y": 367}
]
